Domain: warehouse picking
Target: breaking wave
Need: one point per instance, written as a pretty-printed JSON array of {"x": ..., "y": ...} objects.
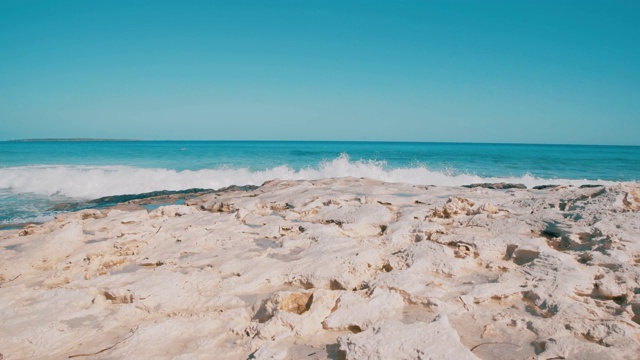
[{"x": 90, "y": 182}]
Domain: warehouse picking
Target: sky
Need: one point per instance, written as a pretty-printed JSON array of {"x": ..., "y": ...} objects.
[{"x": 565, "y": 72}]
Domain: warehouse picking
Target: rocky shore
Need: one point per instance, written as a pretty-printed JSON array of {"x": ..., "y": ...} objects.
[{"x": 332, "y": 269}]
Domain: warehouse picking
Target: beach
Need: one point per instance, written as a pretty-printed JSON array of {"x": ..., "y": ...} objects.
[
  {"x": 337, "y": 180},
  {"x": 331, "y": 269}
]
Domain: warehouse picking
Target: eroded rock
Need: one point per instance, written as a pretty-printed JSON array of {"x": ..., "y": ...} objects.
[
  {"x": 315, "y": 269},
  {"x": 388, "y": 339}
]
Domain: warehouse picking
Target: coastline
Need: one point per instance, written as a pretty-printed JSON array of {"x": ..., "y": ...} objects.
[
  {"x": 154, "y": 199},
  {"x": 332, "y": 268}
]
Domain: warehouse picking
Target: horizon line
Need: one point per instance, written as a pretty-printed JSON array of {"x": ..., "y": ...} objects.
[{"x": 327, "y": 141}]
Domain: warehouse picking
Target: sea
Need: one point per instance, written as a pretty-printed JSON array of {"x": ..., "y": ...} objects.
[{"x": 37, "y": 175}]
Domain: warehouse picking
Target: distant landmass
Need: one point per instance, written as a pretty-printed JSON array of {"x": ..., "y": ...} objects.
[{"x": 69, "y": 139}]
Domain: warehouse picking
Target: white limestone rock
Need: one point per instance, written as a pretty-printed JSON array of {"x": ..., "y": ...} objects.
[
  {"x": 553, "y": 273},
  {"x": 172, "y": 211},
  {"x": 357, "y": 312},
  {"x": 389, "y": 339}
]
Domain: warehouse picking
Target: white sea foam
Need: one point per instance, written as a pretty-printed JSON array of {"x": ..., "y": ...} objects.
[
  {"x": 96, "y": 181},
  {"x": 27, "y": 219}
]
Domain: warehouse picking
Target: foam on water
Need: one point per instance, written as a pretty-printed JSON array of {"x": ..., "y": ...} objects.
[
  {"x": 19, "y": 208},
  {"x": 35, "y": 176},
  {"x": 89, "y": 182}
]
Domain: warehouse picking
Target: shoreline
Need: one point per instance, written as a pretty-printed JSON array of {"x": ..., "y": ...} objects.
[
  {"x": 154, "y": 199},
  {"x": 332, "y": 268}
]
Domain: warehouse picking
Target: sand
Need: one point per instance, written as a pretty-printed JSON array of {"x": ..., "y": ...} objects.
[{"x": 332, "y": 269}]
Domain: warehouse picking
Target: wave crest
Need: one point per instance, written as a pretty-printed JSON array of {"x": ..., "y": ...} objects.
[{"x": 97, "y": 181}]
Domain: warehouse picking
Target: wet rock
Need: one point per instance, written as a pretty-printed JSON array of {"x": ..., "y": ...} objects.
[
  {"x": 545, "y": 187},
  {"x": 496, "y": 186}
]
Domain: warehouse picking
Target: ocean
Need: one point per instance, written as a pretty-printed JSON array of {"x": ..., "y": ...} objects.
[{"x": 37, "y": 175}]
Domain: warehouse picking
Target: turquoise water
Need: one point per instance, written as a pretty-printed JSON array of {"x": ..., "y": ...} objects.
[{"x": 36, "y": 175}]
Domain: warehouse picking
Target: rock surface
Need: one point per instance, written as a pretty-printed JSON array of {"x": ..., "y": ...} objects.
[
  {"x": 389, "y": 339},
  {"x": 496, "y": 186},
  {"x": 332, "y": 269}
]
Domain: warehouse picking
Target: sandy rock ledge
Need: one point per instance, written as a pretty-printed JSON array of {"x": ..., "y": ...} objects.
[{"x": 332, "y": 269}]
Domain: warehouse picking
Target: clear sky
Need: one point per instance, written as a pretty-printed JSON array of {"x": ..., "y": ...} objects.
[{"x": 468, "y": 71}]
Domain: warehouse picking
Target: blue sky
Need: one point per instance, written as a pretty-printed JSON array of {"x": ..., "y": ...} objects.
[{"x": 467, "y": 71}]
